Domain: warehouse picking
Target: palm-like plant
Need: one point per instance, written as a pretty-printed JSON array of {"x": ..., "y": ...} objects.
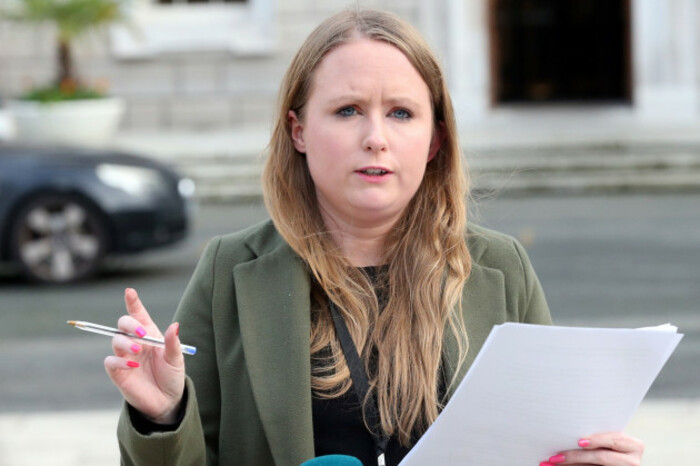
[{"x": 73, "y": 19}]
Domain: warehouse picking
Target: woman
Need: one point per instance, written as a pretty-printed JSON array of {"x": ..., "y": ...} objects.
[{"x": 367, "y": 256}]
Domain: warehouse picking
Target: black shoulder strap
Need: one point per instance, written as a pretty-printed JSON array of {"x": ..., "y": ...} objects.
[{"x": 359, "y": 381}]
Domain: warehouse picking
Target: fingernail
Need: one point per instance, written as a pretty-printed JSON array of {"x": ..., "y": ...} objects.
[
  {"x": 584, "y": 442},
  {"x": 177, "y": 329},
  {"x": 557, "y": 459},
  {"x": 544, "y": 463},
  {"x": 132, "y": 364},
  {"x": 140, "y": 331},
  {"x": 135, "y": 348}
]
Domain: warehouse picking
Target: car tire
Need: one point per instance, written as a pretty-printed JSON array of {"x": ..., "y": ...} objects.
[{"x": 58, "y": 238}]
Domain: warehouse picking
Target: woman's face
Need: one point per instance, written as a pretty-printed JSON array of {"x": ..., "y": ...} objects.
[{"x": 367, "y": 132}]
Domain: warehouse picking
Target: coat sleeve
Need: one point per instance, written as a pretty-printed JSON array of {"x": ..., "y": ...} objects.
[
  {"x": 196, "y": 439},
  {"x": 535, "y": 309},
  {"x": 182, "y": 446}
]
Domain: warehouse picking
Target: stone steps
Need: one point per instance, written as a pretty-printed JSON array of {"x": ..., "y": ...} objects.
[{"x": 573, "y": 170}]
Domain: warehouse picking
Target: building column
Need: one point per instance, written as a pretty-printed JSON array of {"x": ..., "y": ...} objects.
[
  {"x": 665, "y": 60},
  {"x": 467, "y": 52}
]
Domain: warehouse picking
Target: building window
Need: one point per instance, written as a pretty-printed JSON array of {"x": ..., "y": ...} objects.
[
  {"x": 243, "y": 27},
  {"x": 560, "y": 51}
]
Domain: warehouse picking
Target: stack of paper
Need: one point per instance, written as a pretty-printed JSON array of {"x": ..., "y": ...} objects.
[{"x": 536, "y": 390}]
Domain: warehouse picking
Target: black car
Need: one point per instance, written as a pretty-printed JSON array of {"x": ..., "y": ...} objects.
[{"x": 62, "y": 210}]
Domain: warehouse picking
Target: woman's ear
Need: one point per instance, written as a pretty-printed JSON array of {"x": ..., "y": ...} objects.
[
  {"x": 297, "y": 130},
  {"x": 437, "y": 140}
]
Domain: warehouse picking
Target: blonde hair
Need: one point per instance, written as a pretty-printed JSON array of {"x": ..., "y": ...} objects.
[{"x": 427, "y": 257}]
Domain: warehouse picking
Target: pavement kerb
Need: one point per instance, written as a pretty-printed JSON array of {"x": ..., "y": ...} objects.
[{"x": 670, "y": 429}]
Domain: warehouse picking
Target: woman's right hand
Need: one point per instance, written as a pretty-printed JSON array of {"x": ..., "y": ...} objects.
[{"x": 150, "y": 379}]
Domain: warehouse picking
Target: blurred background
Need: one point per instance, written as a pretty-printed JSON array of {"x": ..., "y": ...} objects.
[{"x": 580, "y": 122}]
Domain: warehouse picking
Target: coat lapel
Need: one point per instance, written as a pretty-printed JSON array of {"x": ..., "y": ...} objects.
[
  {"x": 273, "y": 297},
  {"x": 483, "y": 306}
]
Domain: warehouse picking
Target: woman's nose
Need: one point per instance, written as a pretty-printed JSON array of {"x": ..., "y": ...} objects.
[{"x": 375, "y": 138}]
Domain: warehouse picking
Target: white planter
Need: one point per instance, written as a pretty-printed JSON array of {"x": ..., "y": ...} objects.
[
  {"x": 90, "y": 122},
  {"x": 7, "y": 126}
]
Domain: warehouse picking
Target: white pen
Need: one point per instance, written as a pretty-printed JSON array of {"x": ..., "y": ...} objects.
[{"x": 109, "y": 331}]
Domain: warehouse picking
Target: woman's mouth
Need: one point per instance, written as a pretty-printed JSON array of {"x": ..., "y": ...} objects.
[
  {"x": 373, "y": 171},
  {"x": 374, "y": 174}
]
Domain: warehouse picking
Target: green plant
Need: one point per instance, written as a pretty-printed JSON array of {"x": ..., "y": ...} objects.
[{"x": 73, "y": 20}]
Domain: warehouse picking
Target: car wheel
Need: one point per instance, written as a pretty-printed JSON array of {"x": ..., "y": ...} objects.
[{"x": 58, "y": 239}]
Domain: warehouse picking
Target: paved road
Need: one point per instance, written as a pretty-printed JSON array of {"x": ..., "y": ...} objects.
[{"x": 625, "y": 260}]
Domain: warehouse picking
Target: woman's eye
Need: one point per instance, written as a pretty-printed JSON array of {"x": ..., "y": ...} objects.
[
  {"x": 401, "y": 114},
  {"x": 347, "y": 111}
]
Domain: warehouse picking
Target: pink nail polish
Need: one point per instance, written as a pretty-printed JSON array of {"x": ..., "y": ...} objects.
[
  {"x": 135, "y": 348},
  {"x": 132, "y": 364},
  {"x": 584, "y": 442},
  {"x": 544, "y": 463},
  {"x": 140, "y": 331},
  {"x": 557, "y": 459},
  {"x": 177, "y": 329}
]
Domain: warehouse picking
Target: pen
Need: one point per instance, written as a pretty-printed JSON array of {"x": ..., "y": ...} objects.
[{"x": 109, "y": 331}]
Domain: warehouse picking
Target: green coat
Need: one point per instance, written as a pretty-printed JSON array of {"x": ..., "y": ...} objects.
[{"x": 246, "y": 309}]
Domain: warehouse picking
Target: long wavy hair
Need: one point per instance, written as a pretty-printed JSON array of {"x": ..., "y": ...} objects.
[{"x": 425, "y": 255}]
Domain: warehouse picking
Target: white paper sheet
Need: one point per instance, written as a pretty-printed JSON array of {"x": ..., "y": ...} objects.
[{"x": 536, "y": 390}]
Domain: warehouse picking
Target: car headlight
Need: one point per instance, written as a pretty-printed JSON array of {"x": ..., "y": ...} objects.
[
  {"x": 186, "y": 188},
  {"x": 137, "y": 181}
]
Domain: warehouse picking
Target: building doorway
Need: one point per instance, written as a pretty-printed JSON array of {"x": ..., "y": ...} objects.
[{"x": 548, "y": 51}]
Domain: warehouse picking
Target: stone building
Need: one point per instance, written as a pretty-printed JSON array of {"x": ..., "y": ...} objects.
[{"x": 191, "y": 65}]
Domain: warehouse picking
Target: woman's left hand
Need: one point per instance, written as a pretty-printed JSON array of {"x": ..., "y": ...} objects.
[{"x": 608, "y": 449}]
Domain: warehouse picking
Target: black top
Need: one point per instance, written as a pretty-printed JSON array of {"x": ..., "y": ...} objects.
[
  {"x": 340, "y": 430},
  {"x": 339, "y": 426}
]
